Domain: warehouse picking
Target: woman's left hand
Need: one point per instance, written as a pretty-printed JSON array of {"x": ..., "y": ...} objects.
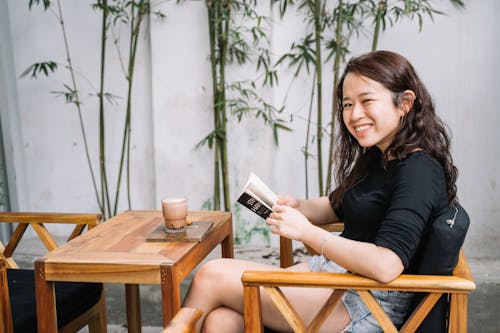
[{"x": 288, "y": 222}]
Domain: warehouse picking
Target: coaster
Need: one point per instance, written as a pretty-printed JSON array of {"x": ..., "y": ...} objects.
[
  {"x": 175, "y": 231},
  {"x": 194, "y": 232}
]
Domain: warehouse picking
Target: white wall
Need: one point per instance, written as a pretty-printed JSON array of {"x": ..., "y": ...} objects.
[{"x": 456, "y": 57}]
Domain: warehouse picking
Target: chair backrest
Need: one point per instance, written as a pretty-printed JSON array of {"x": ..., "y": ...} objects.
[
  {"x": 95, "y": 317},
  {"x": 37, "y": 221}
]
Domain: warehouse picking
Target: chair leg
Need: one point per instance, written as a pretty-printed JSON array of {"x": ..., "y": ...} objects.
[
  {"x": 98, "y": 324},
  {"x": 286, "y": 252},
  {"x": 458, "y": 313}
]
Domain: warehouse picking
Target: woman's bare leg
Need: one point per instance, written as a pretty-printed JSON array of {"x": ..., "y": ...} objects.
[
  {"x": 218, "y": 284},
  {"x": 222, "y": 320}
]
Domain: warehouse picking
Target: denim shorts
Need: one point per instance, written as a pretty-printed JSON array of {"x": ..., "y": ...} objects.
[{"x": 394, "y": 303}]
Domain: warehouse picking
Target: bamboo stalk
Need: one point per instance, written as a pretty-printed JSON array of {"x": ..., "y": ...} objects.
[
  {"x": 336, "y": 68},
  {"x": 318, "y": 65},
  {"x": 212, "y": 11},
  {"x": 102, "y": 126},
  {"x": 135, "y": 23},
  {"x": 223, "y": 38},
  {"x": 306, "y": 151},
  {"x": 78, "y": 105},
  {"x": 380, "y": 10}
]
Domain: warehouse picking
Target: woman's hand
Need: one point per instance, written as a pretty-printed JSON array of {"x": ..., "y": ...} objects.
[
  {"x": 288, "y": 222},
  {"x": 288, "y": 200}
]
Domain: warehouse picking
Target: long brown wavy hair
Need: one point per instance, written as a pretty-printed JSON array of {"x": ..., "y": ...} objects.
[{"x": 420, "y": 129}]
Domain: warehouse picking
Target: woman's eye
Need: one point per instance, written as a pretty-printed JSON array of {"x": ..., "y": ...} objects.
[
  {"x": 367, "y": 101},
  {"x": 347, "y": 105}
]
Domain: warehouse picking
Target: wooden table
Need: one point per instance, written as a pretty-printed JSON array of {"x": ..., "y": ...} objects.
[{"x": 117, "y": 251}]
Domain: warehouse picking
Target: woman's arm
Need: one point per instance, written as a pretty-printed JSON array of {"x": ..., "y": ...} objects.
[
  {"x": 367, "y": 259},
  {"x": 318, "y": 210}
]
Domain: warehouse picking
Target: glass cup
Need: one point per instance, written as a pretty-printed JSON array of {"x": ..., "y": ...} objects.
[{"x": 174, "y": 212}]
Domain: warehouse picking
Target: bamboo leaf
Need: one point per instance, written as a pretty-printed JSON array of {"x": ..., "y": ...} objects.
[
  {"x": 39, "y": 68},
  {"x": 45, "y": 3},
  {"x": 70, "y": 95}
]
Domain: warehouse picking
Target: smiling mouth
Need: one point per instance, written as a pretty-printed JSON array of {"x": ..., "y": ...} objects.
[{"x": 361, "y": 128}]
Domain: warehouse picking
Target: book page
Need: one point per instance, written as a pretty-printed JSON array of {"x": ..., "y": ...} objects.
[{"x": 261, "y": 190}]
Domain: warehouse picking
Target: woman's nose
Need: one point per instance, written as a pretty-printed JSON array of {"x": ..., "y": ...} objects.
[{"x": 357, "y": 111}]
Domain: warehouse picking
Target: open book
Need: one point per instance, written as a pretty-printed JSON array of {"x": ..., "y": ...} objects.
[{"x": 257, "y": 196}]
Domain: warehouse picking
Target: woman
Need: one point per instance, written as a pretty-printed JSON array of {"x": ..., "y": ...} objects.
[{"x": 395, "y": 175}]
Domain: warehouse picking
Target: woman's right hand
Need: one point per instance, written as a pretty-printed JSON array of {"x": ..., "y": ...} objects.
[{"x": 288, "y": 200}]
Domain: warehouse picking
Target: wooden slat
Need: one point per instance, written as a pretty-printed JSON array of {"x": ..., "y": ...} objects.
[
  {"x": 418, "y": 315},
  {"x": 9, "y": 262},
  {"x": 184, "y": 321},
  {"x": 378, "y": 313},
  {"x": 67, "y": 218},
  {"x": 325, "y": 311},
  {"x": 286, "y": 309},
  {"x": 96, "y": 322},
  {"x": 77, "y": 231},
  {"x": 14, "y": 240},
  {"x": 252, "y": 312},
  {"x": 45, "y": 236}
]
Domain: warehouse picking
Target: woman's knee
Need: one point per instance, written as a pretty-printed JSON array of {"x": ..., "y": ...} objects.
[
  {"x": 223, "y": 319},
  {"x": 210, "y": 272}
]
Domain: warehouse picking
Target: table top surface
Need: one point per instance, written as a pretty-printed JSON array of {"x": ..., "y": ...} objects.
[{"x": 123, "y": 240}]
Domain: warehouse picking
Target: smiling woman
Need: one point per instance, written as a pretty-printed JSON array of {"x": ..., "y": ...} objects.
[{"x": 396, "y": 177}]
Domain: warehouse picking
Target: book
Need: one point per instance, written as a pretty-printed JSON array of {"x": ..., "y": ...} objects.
[{"x": 257, "y": 196}]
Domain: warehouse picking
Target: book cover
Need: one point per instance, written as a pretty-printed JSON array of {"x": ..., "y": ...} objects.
[{"x": 257, "y": 196}]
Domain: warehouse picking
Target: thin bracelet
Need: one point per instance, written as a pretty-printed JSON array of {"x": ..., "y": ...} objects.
[{"x": 323, "y": 243}]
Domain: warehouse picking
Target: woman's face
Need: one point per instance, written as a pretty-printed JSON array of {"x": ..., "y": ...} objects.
[{"x": 369, "y": 112}]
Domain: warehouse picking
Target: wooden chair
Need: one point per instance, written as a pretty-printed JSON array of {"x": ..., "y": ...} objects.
[
  {"x": 78, "y": 304},
  {"x": 453, "y": 290},
  {"x": 457, "y": 286}
]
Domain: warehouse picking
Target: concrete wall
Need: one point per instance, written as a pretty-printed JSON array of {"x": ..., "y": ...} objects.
[{"x": 456, "y": 56}]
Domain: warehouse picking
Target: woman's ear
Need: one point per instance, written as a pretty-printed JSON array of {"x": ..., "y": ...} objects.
[{"x": 407, "y": 100}]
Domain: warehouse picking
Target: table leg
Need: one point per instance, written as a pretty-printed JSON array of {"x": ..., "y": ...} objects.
[
  {"x": 170, "y": 293},
  {"x": 133, "y": 308},
  {"x": 227, "y": 245},
  {"x": 45, "y": 300}
]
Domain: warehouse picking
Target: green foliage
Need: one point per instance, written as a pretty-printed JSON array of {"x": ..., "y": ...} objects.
[
  {"x": 238, "y": 35},
  {"x": 44, "y": 3},
  {"x": 70, "y": 95},
  {"x": 330, "y": 25},
  {"x": 45, "y": 68},
  {"x": 247, "y": 230},
  {"x": 300, "y": 55},
  {"x": 207, "y": 205},
  {"x": 114, "y": 14}
]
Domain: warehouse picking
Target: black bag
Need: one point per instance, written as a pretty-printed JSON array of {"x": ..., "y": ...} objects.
[{"x": 439, "y": 257}]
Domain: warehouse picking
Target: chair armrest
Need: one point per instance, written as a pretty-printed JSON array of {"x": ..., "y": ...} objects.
[
  {"x": 410, "y": 283},
  {"x": 67, "y": 218},
  {"x": 184, "y": 321}
]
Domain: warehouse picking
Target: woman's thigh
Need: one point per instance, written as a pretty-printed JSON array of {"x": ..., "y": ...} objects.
[{"x": 226, "y": 273}]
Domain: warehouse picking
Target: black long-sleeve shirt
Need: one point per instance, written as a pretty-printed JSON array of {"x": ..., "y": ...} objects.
[{"x": 394, "y": 207}]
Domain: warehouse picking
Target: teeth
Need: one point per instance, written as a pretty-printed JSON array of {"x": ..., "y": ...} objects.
[{"x": 361, "y": 128}]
